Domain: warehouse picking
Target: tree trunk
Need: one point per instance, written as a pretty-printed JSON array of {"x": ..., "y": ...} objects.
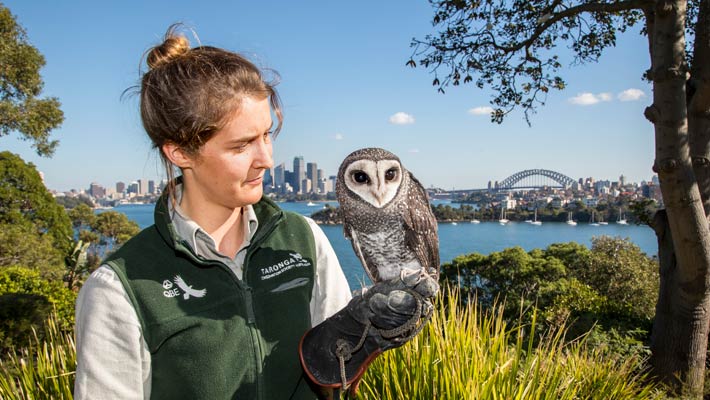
[{"x": 680, "y": 330}]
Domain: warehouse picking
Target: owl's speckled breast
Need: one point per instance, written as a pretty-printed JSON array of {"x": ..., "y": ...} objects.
[{"x": 386, "y": 250}]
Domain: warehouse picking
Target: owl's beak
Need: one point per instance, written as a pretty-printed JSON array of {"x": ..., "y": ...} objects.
[{"x": 378, "y": 196}]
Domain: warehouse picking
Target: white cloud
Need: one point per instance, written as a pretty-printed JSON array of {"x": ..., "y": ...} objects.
[
  {"x": 338, "y": 136},
  {"x": 605, "y": 96},
  {"x": 401, "y": 118},
  {"x": 587, "y": 99},
  {"x": 631, "y": 95},
  {"x": 481, "y": 111},
  {"x": 414, "y": 151}
]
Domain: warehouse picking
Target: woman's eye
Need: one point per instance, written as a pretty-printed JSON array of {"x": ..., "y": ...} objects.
[
  {"x": 360, "y": 177},
  {"x": 390, "y": 174},
  {"x": 267, "y": 137}
]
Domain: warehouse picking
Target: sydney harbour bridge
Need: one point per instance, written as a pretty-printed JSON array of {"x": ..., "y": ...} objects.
[{"x": 527, "y": 179}]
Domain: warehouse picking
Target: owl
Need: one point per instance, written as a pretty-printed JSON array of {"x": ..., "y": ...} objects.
[{"x": 386, "y": 215}]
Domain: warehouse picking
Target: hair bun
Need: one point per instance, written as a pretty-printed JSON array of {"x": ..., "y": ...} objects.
[{"x": 172, "y": 47}]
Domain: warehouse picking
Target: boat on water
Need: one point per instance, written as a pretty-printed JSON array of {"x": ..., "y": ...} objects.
[
  {"x": 503, "y": 220},
  {"x": 535, "y": 221},
  {"x": 592, "y": 222},
  {"x": 475, "y": 221},
  {"x": 570, "y": 221},
  {"x": 454, "y": 223},
  {"x": 311, "y": 204},
  {"x": 622, "y": 219}
]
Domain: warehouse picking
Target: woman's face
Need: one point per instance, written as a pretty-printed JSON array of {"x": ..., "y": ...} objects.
[{"x": 229, "y": 168}]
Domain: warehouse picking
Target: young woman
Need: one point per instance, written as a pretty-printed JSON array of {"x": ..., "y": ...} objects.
[{"x": 212, "y": 300}]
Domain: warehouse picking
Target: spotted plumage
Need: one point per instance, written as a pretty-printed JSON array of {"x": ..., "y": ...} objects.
[{"x": 386, "y": 215}]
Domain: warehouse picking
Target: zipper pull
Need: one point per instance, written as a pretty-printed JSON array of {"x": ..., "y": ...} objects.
[{"x": 249, "y": 304}]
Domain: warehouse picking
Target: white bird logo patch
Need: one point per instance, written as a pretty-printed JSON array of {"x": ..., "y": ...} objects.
[{"x": 187, "y": 289}]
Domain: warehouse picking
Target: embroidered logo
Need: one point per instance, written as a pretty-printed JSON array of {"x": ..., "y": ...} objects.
[
  {"x": 182, "y": 288},
  {"x": 295, "y": 260}
]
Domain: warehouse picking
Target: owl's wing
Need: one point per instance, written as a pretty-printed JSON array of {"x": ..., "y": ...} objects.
[
  {"x": 368, "y": 266},
  {"x": 420, "y": 226}
]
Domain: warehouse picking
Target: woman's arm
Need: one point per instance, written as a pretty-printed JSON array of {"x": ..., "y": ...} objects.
[{"x": 112, "y": 358}]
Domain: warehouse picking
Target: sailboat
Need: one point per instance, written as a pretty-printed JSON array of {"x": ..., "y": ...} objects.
[
  {"x": 502, "y": 219},
  {"x": 622, "y": 220},
  {"x": 570, "y": 221},
  {"x": 591, "y": 220},
  {"x": 535, "y": 221},
  {"x": 474, "y": 220}
]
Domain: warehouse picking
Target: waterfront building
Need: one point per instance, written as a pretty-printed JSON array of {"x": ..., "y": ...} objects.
[
  {"x": 151, "y": 186},
  {"x": 120, "y": 187},
  {"x": 279, "y": 175},
  {"x": 312, "y": 175},
  {"x": 97, "y": 191},
  {"x": 142, "y": 186},
  {"x": 299, "y": 172}
]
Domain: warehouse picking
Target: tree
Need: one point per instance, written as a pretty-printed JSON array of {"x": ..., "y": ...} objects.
[
  {"x": 21, "y": 110},
  {"x": 35, "y": 231},
  {"x": 510, "y": 47},
  {"x": 23, "y": 197}
]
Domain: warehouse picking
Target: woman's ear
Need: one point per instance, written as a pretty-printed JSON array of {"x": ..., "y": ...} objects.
[{"x": 177, "y": 155}]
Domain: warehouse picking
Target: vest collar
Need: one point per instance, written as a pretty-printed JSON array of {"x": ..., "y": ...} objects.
[{"x": 267, "y": 213}]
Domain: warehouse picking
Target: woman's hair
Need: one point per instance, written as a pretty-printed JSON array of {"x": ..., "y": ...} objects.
[{"x": 188, "y": 94}]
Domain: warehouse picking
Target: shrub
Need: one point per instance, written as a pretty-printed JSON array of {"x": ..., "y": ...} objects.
[
  {"x": 26, "y": 300},
  {"x": 466, "y": 352}
]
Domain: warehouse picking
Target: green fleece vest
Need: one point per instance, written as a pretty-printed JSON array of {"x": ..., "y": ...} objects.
[{"x": 211, "y": 335}]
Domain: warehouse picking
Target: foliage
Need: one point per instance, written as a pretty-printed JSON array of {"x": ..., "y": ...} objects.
[
  {"x": 114, "y": 227},
  {"x": 613, "y": 284},
  {"x": 470, "y": 352},
  {"x": 26, "y": 300},
  {"x": 44, "y": 369},
  {"x": 82, "y": 216},
  {"x": 21, "y": 110},
  {"x": 511, "y": 46},
  {"x": 21, "y": 245},
  {"x": 70, "y": 202},
  {"x": 25, "y": 201}
]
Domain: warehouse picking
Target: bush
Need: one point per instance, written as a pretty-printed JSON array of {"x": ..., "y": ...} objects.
[
  {"x": 43, "y": 369},
  {"x": 26, "y": 301},
  {"x": 469, "y": 352}
]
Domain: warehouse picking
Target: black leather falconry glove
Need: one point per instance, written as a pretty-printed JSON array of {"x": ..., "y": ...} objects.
[{"x": 336, "y": 353}]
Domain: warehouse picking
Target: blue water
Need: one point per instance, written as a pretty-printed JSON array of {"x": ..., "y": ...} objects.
[{"x": 457, "y": 239}]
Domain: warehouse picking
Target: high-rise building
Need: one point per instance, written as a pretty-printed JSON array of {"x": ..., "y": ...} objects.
[
  {"x": 151, "y": 187},
  {"x": 279, "y": 176},
  {"x": 133, "y": 187},
  {"x": 120, "y": 187},
  {"x": 306, "y": 186},
  {"x": 332, "y": 180},
  {"x": 142, "y": 186},
  {"x": 268, "y": 178},
  {"x": 299, "y": 172},
  {"x": 312, "y": 175},
  {"x": 97, "y": 191}
]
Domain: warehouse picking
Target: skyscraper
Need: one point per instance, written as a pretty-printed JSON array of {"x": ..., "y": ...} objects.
[
  {"x": 299, "y": 172},
  {"x": 312, "y": 175},
  {"x": 120, "y": 187},
  {"x": 142, "y": 186},
  {"x": 279, "y": 175}
]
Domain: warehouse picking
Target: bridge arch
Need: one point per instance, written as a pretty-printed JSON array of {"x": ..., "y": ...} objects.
[{"x": 509, "y": 182}]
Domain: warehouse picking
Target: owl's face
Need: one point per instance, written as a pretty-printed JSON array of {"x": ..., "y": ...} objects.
[{"x": 374, "y": 181}]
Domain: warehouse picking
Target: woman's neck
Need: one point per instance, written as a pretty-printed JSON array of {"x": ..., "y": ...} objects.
[{"x": 224, "y": 225}]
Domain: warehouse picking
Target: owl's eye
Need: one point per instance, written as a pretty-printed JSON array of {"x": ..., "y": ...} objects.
[
  {"x": 390, "y": 174},
  {"x": 361, "y": 177}
]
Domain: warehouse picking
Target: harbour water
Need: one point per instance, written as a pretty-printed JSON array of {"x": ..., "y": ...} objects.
[{"x": 457, "y": 239}]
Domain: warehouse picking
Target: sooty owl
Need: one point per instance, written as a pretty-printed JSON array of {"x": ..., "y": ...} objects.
[{"x": 386, "y": 215}]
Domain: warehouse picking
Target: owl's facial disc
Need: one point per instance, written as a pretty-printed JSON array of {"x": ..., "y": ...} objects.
[{"x": 376, "y": 182}]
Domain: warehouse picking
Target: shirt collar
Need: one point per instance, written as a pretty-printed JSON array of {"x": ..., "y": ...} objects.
[{"x": 196, "y": 237}]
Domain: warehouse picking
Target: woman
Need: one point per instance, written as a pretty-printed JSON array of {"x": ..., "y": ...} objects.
[{"x": 211, "y": 300}]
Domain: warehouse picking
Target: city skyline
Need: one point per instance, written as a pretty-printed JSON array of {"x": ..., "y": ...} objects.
[{"x": 344, "y": 86}]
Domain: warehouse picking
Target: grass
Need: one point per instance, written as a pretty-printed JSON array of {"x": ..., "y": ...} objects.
[
  {"x": 465, "y": 353},
  {"x": 42, "y": 370}
]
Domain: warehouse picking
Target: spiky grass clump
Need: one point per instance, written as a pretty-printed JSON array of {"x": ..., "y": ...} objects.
[
  {"x": 465, "y": 353},
  {"x": 42, "y": 370}
]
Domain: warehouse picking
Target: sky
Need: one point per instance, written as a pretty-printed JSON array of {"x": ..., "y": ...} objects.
[{"x": 344, "y": 85}]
